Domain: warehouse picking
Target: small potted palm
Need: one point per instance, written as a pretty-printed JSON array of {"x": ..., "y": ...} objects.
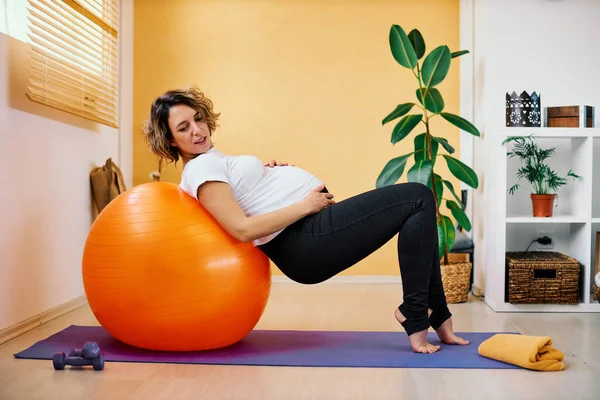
[{"x": 534, "y": 169}]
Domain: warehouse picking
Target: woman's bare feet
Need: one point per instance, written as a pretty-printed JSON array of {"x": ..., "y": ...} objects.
[
  {"x": 418, "y": 340},
  {"x": 447, "y": 336}
]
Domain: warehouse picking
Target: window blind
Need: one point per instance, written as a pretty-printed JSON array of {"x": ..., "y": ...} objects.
[{"x": 74, "y": 63}]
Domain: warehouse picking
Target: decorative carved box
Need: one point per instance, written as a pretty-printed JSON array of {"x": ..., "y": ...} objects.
[{"x": 523, "y": 110}]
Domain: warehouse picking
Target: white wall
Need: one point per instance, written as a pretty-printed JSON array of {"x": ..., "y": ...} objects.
[
  {"x": 551, "y": 46},
  {"x": 45, "y": 201},
  {"x": 548, "y": 46}
]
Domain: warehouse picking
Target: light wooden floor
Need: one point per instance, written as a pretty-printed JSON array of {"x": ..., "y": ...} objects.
[{"x": 330, "y": 306}]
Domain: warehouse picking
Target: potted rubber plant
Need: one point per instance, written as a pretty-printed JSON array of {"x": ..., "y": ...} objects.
[
  {"x": 430, "y": 70},
  {"x": 534, "y": 169}
]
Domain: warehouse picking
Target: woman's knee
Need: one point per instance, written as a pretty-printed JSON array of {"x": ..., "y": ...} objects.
[{"x": 420, "y": 192}]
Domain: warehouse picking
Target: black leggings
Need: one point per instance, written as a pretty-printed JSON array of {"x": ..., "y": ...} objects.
[{"x": 326, "y": 243}]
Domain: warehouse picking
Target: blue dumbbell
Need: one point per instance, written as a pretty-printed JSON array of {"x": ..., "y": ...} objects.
[{"x": 88, "y": 355}]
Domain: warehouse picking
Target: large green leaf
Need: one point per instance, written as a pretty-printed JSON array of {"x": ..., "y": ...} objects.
[
  {"x": 421, "y": 148},
  {"x": 405, "y": 126},
  {"x": 399, "y": 111},
  {"x": 459, "y": 53},
  {"x": 402, "y": 49},
  {"x": 421, "y": 172},
  {"x": 439, "y": 188},
  {"x": 462, "y": 171},
  {"x": 461, "y": 123},
  {"x": 444, "y": 143},
  {"x": 416, "y": 39},
  {"x": 436, "y": 66},
  {"x": 441, "y": 240},
  {"x": 459, "y": 214},
  {"x": 433, "y": 99},
  {"x": 392, "y": 171},
  {"x": 451, "y": 188},
  {"x": 446, "y": 235}
]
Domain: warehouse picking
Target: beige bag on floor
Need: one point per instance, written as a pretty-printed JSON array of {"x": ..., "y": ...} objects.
[{"x": 107, "y": 183}]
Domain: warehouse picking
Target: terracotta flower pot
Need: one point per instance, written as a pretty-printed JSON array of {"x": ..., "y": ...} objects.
[{"x": 543, "y": 204}]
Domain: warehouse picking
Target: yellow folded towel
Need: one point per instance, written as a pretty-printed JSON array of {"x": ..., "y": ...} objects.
[{"x": 531, "y": 352}]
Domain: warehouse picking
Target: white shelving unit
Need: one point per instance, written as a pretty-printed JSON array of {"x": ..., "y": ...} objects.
[
  {"x": 524, "y": 59},
  {"x": 510, "y": 225}
]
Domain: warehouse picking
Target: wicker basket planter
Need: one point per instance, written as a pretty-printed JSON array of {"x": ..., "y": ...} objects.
[
  {"x": 542, "y": 277},
  {"x": 456, "y": 277}
]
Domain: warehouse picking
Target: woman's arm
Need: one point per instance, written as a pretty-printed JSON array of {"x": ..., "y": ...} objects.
[{"x": 218, "y": 200}]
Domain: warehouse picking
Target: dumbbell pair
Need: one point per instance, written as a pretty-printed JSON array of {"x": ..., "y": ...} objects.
[{"x": 88, "y": 355}]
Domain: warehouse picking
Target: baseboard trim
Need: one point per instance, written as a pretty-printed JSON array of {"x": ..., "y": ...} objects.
[
  {"x": 29, "y": 324},
  {"x": 364, "y": 279},
  {"x": 357, "y": 279}
]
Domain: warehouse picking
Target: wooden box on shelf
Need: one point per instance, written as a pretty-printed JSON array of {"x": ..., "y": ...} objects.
[
  {"x": 542, "y": 277},
  {"x": 569, "y": 117}
]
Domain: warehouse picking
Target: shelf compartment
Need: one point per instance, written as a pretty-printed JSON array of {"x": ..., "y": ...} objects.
[
  {"x": 567, "y": 238},
  {"x": 573, "y": 203},
  {"x": 570, "y": 239}
]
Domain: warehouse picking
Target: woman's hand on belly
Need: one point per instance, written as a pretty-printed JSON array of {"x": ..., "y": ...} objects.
[
  {"x": 274, "y": 163},
  {"x": 318, "y": 199}
]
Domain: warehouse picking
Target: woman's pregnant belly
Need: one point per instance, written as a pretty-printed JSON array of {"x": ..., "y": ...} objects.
[{"x": 279, "y": 188}]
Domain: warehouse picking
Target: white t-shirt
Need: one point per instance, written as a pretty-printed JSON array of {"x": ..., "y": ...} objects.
[{"x": 258, "y": 189}]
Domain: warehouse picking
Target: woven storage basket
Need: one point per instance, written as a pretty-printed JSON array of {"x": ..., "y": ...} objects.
[
  {"x": 542, "y": 277},
  {"x": 456, "y": 277}
]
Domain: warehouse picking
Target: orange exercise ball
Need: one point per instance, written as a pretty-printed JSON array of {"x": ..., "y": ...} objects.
[{"x": 160, "y": 273}]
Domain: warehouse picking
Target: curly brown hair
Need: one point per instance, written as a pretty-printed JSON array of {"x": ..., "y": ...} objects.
[{"x": 156, "y": 127}]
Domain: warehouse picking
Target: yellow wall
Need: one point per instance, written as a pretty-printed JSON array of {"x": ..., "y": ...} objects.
[{"x": 306, "y": 82}]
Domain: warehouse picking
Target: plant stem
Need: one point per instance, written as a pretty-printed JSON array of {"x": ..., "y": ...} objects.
[
  {"x": 437, "y": 207},
  {"x": 430, "y": 156}
]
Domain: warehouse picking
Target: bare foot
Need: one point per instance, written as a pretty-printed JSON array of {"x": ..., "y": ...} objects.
[
  {"x": 418, "y": 340},
  {"x": 447, "y": 336}
]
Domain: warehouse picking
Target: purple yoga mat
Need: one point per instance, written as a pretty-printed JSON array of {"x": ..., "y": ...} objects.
[{"x": 284, "y": 348}]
